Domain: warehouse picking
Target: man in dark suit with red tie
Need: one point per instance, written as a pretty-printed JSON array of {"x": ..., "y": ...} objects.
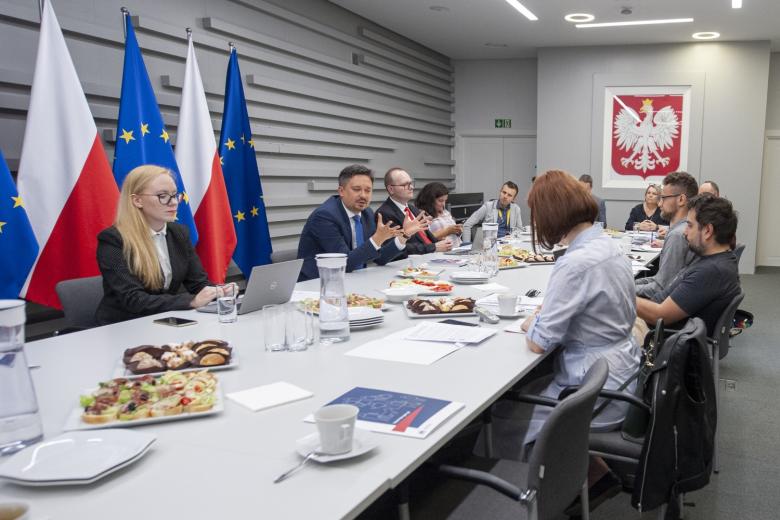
[
  {"x": 345, "y": 224},
  {"x": 400, "y": 187}
]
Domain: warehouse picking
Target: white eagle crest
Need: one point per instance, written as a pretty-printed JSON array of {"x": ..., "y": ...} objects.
[{"x": 648, "y": 137}]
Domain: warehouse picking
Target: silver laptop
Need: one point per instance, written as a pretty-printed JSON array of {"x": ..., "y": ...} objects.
[{"x": 268, "y": 285}]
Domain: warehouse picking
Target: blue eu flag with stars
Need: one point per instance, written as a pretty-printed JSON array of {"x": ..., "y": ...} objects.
[
  {"x": 18, "y": 247},
  {"x": 141, "y": 137},
  {"x": 242, "y": 177}
]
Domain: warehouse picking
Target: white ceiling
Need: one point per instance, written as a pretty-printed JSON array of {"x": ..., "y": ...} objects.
[{"x": 462, "y": 31}]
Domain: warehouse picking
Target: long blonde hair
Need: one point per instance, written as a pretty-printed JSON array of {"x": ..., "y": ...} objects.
[{"x": 137, "y": 246}]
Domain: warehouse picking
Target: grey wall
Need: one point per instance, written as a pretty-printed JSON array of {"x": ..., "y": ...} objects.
[
  {"x": 325, "y": 87},
  {"x": 735, "y": 108},
  {"x": 491, "y": 89}
]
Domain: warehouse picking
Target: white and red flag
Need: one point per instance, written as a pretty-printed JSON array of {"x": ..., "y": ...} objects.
[
  {"x": 199, "y": 165},
  {"x": 64, "y": 177}
]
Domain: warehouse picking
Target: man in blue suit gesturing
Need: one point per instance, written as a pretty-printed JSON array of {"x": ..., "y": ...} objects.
[{"x": 345, "y": 224}]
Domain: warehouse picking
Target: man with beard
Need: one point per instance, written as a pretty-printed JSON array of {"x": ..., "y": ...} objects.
[
  {"x": 345, "y": 224},
  {"x": 707, "y": 286},
  {"x": 678, "y": 188}
]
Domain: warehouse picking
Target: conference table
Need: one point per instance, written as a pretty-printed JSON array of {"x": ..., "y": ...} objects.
[{"x": 223, "y": 465}]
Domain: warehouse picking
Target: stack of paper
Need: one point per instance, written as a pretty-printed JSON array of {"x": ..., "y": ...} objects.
[{"x": 268, "y": 396}]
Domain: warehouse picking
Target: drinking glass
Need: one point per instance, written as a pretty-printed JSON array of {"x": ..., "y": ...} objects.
[
  {"x": 227, "y": 309},
  {"x": 274, "y": 329},
  {"x": 299, "y": 327}
]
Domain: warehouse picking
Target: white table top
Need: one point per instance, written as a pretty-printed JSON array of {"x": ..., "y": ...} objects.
[{"x": 223, "y": 465}]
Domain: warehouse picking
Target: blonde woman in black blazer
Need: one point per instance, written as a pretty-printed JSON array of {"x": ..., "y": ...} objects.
[{"x": 137, "y": 278}]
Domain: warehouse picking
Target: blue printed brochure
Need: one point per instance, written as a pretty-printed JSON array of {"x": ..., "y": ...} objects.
[{"x": 384, "y": 411}]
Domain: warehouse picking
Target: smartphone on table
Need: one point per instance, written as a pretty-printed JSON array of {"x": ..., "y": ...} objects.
[{"x": 173, "y": 321}]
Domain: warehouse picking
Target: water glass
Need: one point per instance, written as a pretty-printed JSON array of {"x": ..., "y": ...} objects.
[
  {"x": 227, "y": 309},
  {"x": 274, "y": 330},
  {"x": 20, "y": 423},
  {"x": 299, "y": 327},
  {"x": 636, "y": 227}
]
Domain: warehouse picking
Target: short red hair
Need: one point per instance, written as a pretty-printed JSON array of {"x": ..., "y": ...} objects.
[{"x": 558, "y": 203}]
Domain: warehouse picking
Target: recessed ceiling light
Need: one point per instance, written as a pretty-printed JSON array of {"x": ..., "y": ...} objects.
[
  {"x": 736, "y": 4},
  {"x": 522, "y": 9},
  {"x": 498, "y": 45},
  {"x": 579, "y": 17},
  {"x": 439, "y": 8},
  {"x": 633, "y": 22},
  {"x": 706, "y": 35}
]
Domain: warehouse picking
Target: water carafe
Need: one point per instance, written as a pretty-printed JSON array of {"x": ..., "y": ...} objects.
[
  {"x": 20, "y": 424},
  {"x": 490, "y": 248},
  {"x": 334, "y": 318}
]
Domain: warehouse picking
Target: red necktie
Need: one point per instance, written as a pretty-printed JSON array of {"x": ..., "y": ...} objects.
[{"x": 420, "y": 233}]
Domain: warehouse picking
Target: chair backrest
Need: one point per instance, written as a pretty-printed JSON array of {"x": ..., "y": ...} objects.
[
  {"x": 283, "y": 256},
  {"x": 738, "y": 251},
  {"x": 724, "y": 324},
  {"x": 80, "y": 298},
  {"x": 558, "y": 465}
]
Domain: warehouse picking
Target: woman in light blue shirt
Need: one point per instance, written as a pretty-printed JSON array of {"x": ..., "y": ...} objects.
[{"x": 589, "y": 307}]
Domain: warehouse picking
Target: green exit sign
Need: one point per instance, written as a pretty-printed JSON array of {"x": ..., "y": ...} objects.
[{"x": 503, "y": 123}]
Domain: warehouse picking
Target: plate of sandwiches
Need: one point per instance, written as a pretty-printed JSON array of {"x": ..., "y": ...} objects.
[
  {"x": 425, "y": 286},
  {"x": 354, "y": 300},
  {"x": 437, "y": 307},
  {"x": 509, "y": 262},
  {"x": 134, "y": 401},
  {"x": 419, "y": 272},
  {"x": 214, "y": 354}
]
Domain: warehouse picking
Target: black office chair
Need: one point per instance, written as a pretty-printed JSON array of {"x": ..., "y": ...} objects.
[
  {"x": 80, "y": 298},
  {"x": 546, "y": 485},
  {"x": 644, "y": 452}
]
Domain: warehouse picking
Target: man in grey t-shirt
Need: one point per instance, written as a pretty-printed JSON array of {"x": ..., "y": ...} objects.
[{"x": 678, "y": 188}]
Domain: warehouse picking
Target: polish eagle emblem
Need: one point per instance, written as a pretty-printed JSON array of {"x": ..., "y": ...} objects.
[{"x": 646, "y": 136}]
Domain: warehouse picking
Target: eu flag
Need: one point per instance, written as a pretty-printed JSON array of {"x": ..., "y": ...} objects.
[
  {"x": 141, "y": 137},
  {"x": 242, "y": 178},
  {"x": 18, "y": 247}
]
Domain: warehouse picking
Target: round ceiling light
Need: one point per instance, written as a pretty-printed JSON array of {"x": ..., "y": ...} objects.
[
  {"x": 579, "y": 17},
  {"x": 706, "y": 35}
]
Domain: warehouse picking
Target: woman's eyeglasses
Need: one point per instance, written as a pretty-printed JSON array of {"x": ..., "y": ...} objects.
[{"x": 166, "y": 198}]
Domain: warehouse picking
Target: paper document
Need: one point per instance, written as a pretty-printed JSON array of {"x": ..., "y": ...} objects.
[
  {"x": 449, "y": 333},
  {"x": 268, "y": 396},
  {"x": 491, "y": 287},
  {"x": 515, "y": 326},
  {"x": 396, "y": 347},
  {"x": 385, "y": 411}
]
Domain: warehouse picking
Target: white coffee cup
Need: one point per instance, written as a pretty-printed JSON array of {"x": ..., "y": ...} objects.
[
  {"x": 336, "y": 424},
  {"x": 14, "y": 511},
  {"x": 507, "y": 304}
]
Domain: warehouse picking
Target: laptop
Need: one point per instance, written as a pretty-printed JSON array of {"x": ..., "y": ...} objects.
[{"x": 268, "y": 285}]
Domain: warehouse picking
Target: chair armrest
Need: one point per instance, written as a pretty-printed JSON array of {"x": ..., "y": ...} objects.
[
  {"x": 530, "y": 398},
  {"x": 610, "y": 394},
  {"x": 487, "y": 479}
]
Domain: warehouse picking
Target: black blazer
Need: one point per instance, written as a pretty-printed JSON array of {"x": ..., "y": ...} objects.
[
  {"x": 327, "y": 230},
  {"x": 638, "y": 215},
  {"x": 414, "y": 246},
  {"x": 125, "y": 297}
]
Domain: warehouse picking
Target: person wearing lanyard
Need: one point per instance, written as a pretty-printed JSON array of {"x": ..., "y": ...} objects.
[
  {"x": 502, "y": 210},
  {"x": 145, "y": 257}
]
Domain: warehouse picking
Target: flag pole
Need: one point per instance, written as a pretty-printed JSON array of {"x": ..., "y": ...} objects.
[
  {"x": 232, "y": 47},
  {"x": 125, "y": 12},
  {"x": 189, "y": 33}
]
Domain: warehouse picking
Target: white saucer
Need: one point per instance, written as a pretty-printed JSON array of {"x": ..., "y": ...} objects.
[
  {"x": 517, "y": 314},
  {"x": 97, "y": 454},
  {"x": 363, "y": 442}
]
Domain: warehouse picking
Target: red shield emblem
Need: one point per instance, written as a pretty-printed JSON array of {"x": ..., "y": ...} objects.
[{"x": 646, "y": 134}]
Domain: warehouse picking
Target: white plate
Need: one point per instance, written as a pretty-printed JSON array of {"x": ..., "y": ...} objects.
[
  {"x": 516, "y": 266},
  {"x": 517, "y": 314},
  {"x": 432, "y": 273},
  {"x": 76, "y": 457},
  {"x": 362, "y": 442},
  {"x": 364, "y": 313},
  {"x": 74, "y": 422},
  {"x": 364, "y": 325},
  {"x": 469, "y": 275},
  {"x": 122, "y": 371}
]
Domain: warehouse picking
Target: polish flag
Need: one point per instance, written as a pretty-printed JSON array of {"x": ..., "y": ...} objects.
[
  {"x": 64, "y": 178},
  {"x": 201, "y": 171}
]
